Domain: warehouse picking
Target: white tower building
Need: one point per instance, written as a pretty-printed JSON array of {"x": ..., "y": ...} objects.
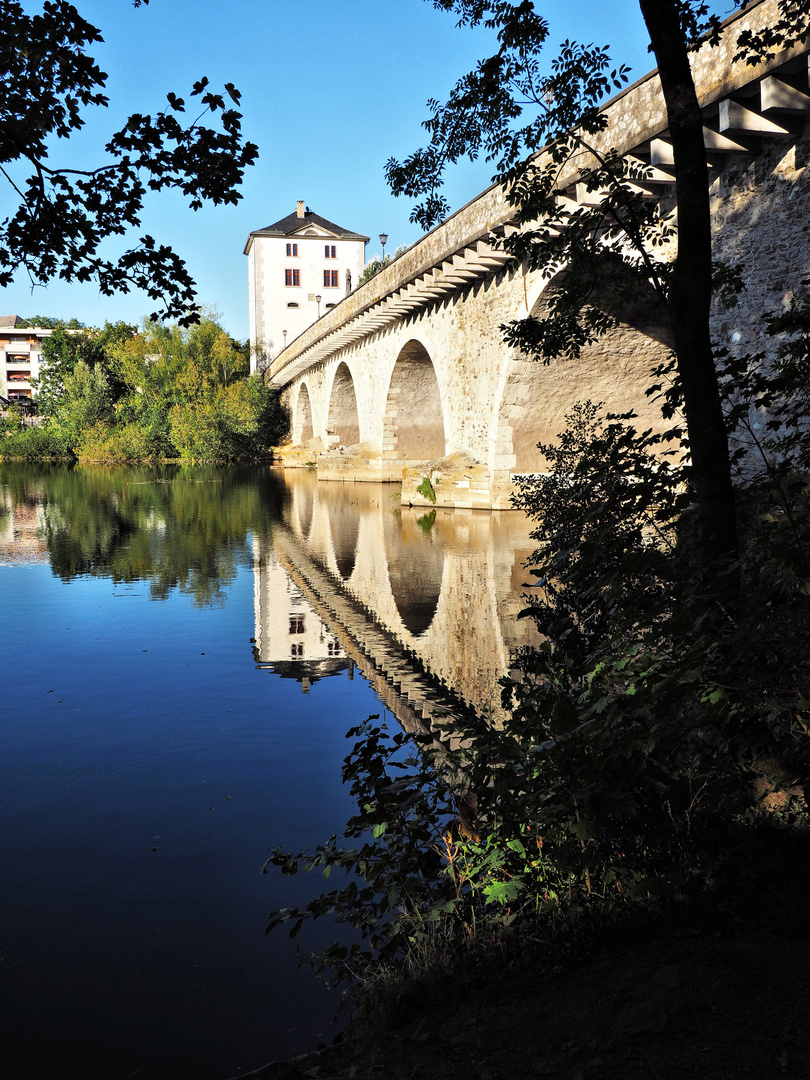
[{"x": 299, "y": 268}]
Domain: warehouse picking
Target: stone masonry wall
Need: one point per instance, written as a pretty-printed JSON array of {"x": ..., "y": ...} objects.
[
  {"x": 495, "y": 404},
  {"x": 761, "y": 223},
  {"x": 635, "y": 116}
]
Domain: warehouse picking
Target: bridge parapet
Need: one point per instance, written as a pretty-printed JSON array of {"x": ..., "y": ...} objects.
[{"x": 464, "y": 248}]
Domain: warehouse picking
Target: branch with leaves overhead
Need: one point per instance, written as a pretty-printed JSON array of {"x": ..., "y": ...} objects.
[{"x": 64, "y": 214}]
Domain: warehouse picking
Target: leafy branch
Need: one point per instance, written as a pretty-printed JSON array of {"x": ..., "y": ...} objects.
[{"x": 64, "y": 214}]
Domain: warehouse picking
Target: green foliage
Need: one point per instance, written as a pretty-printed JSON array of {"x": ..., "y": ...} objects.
[
  {"x": 49, "y": 79},
  {"x": 86, "y": 402},
  {"x": 227, "y": 426},
  {"x": 375, "y": 265},
  {"x": 422, "y": 886},
  {"x": 188, "y": 388},
  {"x": 31, "y": 443},
  {"x": 124, "y": 443},
  {"x": 62, "y": 351},
  {"x": 48, "y": 322},
  {"x": 427, "y": 521},
  {"x": 425, "y": 489},
  {"x": 163, "y": 392}
]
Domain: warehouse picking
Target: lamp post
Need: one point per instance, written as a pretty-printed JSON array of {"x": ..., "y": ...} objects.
[
  {"x": 383, "y": 241},
  {"x": 318, "y": 302},
  {"x": 284, "y": 332}
]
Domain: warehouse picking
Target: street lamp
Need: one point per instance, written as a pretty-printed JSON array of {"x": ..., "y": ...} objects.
[
  {"x": 383, "y": 241},
  {"x": 318, "y": 302},
  {"x": 284, "y": 332}
]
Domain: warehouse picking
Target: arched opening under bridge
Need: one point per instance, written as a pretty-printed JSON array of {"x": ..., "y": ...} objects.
[
  {"x": 415, "y": 572},
  {"x": 343, "y": 424},
  {"x": 413, "y": 429},
  {"x": 344, "y": 524}
]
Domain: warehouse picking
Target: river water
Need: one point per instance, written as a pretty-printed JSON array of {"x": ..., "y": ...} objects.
[{"x": 186, "y": 649}]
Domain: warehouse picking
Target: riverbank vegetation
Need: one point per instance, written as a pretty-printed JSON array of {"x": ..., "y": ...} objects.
[
  {"x": 160, "y": 392},
  {"x": 655, "y": 759},
  {"x": 654, "y": 763}
]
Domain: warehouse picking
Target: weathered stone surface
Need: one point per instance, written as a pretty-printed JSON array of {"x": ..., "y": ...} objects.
[{"x": 419, "y": 374}]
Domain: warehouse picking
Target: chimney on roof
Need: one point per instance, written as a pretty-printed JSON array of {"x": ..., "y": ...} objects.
[{"x": 300, "y": 209}]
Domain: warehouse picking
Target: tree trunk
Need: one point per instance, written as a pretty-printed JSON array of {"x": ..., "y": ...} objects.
[{"x": 690, "y": 296}]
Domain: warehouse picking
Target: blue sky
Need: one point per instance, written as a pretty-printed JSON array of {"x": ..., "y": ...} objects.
[{"x": 330, "y": 90}]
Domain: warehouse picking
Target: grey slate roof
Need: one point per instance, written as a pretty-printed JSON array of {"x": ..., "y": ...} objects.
[{"x": 292, "y": 224}]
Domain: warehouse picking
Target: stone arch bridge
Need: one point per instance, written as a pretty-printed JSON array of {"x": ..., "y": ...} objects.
[{"x": 409, "y": 377}]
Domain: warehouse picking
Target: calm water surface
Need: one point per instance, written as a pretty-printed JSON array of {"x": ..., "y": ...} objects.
[{"x": 185, "y": 651}]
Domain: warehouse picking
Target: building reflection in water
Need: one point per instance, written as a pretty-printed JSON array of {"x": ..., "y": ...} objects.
[
  {"x": 291, "y": 639},
  {"x": 21, "y": 530},
  {"x": 424, "y": 604}
]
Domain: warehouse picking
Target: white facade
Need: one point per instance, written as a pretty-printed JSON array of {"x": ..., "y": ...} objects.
[
  {"x": 20, "y": 357},
  {"x": 291, "y": 264}
]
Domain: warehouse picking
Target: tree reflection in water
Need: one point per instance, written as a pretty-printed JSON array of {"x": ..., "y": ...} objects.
[{"x": 148, "y": 524}]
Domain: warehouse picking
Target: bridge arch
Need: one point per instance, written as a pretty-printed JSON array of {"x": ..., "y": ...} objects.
[
  {"x": 298, "y": 511},
  {"x": 413, "y": 426},
  {"x": 303, "y": 429},
  {"x": 535, "y": 397},
  {"x": 343, "y": 423}
]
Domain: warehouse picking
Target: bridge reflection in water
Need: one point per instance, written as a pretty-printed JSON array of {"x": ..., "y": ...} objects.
[{"x": 424, "y": 604}]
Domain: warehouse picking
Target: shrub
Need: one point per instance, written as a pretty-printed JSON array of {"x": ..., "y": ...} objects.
[{"x": 33, "y": 443}]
